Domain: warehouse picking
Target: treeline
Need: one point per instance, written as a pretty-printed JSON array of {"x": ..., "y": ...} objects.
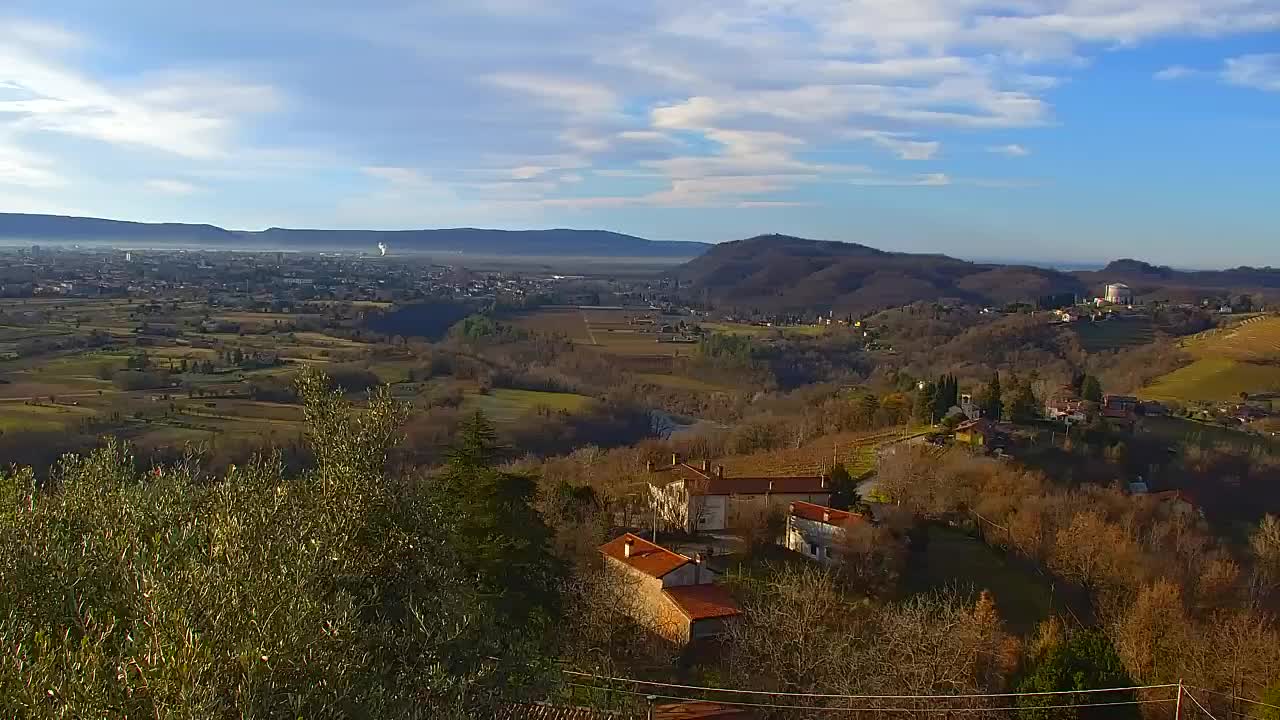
[{"x": 1175, "y": 601}]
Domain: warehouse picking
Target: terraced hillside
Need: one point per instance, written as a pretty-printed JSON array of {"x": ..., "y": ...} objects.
[
  {"x": 1228, "y": 361},
  {"x": 855, "y": 450}
]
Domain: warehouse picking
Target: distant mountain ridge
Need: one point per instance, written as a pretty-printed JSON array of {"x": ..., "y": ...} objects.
[
  {"x": 784, "y": 273},
  {"x": 24, "y": 228}
]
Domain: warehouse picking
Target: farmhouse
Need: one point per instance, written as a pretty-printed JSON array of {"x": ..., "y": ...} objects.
[
  {"x": 1066, "y": 410},
  {"x": 696, "y": 498},
  {"x": 671, "y": 594},
  {"x": 976, "y": 433},
  {"x": 818, "y": 531}
]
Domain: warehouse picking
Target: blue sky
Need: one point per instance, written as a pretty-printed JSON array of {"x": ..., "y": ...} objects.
[{"x": 1059, "y": 130}]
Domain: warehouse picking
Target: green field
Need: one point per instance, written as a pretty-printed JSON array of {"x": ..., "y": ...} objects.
[
  {"x": 680, "y": 382},
  {"x": 1114, "y": 334},
  {"x": 952, "y": 559},
  {"x": 40, "y": 418},
  {"x": 506, "y": 405},
  {"x": 628, "y": 332},
  {"x": 1179, "y": 431},
  {"x": 570, "y": 322},
  {"x": 1228, "y": 361},
  {"x": 1214, "y": 380},
  {"x": 762, "y": 331}
]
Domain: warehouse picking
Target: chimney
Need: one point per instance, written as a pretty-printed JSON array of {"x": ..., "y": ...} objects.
[
  {"x": 675, "y": 459},
  {"x": 770, "y": 486},
  {"x": 648, "y": 466},
  {"x": 698, "y": 561},
  {"x": 824, "y": 481},
  {"x": 706, "y": 466},
  {"x": 626, "y": 547},
  {"x": 720, "y": 471}
]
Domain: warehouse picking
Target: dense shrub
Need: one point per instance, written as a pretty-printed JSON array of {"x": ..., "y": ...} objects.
[{"x": 340, "y": 592}]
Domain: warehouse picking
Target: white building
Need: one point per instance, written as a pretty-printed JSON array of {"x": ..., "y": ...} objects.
[
  {"x": 817, "y": 531},
  {"x": 698, "y": 498},
  {"x": 1119, "y": 294}
]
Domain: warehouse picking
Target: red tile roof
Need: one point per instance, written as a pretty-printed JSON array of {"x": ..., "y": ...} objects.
[
  {"x": 541, "y": 711},
  {"x": 981, "y": 425},
  {"x": 698, "y": 710},
  {"x": 1173, "y": 495},
  {"x": 802, "y": 485},
  {"x": 818, "y": 513},
  {"x": 703, "y": 602},
  {"x": 712, "y": 481},
  {"x": 653, "y": 560}
]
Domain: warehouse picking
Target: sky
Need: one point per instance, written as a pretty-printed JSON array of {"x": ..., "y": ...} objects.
[{"x": 1051, "y": 130}]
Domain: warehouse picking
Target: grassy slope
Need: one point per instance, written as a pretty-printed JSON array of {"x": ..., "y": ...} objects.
[
  {"x": 1243, "y": 358},
  {"x": 1114, "y": 334},
  {"x": 505, "y": 405},
  {"x": 955, "y": 560}
]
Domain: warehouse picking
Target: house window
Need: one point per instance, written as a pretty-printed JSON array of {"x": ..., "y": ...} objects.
[{"x": 813, "y": 549}]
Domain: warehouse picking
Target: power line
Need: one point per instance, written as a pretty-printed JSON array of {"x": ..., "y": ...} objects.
[
  {"x": 704, "y": 688},
  {"x": 1197, "y": 702},
  {"x": 775, "y": 706},
  {"x": 1233, "y": 697}
]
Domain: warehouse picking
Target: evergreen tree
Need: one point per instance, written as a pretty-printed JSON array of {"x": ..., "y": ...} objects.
[
  {"x": 923, "y": 410},
  {"x": 942, "y": 397},
  {"x": 1020, "y": 404},
  {"x": 991, "y": 399},
  {"x": 1077, "y": 382},
  {"x": 1085, "y": 661},
  {"x": 844, "y": 493},
  {"x": 1091, "y": 389},
  {"x": 496, "y": 517}
]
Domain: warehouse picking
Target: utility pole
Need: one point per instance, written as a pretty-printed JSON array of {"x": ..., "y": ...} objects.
[{"x": 1177, "y": 711}]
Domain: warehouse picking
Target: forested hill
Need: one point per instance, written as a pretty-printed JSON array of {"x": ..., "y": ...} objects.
[
  {"x": 1142, "y": 275},
  {"x": 783, "y": 273},
  {"x": 16, "y": 228}
]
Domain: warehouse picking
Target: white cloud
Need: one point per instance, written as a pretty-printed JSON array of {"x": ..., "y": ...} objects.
[
  {"x": 730, "y": 103},
  {"x": 1012, "y": 150},
  {"x": 900, "y": 144},
  {"x": 774, "y": 204},
  {"x": 529, "y": 172},
  {"x": 568, "y": 95},
  {"x": 645, "y": 136},
  {"x": 1174, "y": 72},
  {"x": 187, "y": 114},
  {"x": 925, "y": 180},
  {"x": 1261, "y": 72},
  {"x": 24, "y": 168},
  {"x": 172, "y": 187},
  {"x": 396, "y": 175}
]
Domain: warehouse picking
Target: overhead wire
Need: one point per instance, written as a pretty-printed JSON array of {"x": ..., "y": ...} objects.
[
  {"x": 838, "y": 708},
  {"x": 1233, "y": 697},
  {"x": 703, "y": 688},
  {"x": 1197, "y": 702}
]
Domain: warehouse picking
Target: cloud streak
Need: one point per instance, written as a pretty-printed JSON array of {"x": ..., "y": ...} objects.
[{"x": 501, "y": 105}]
